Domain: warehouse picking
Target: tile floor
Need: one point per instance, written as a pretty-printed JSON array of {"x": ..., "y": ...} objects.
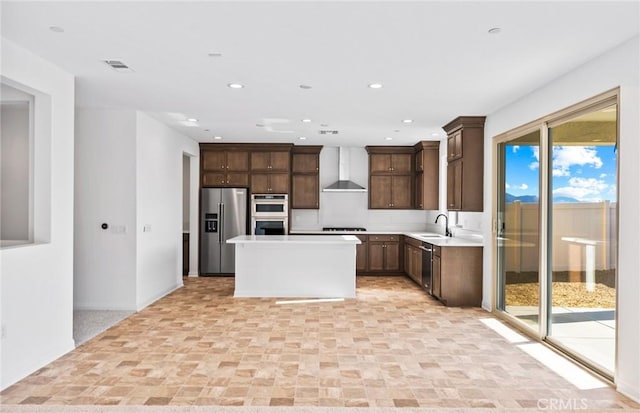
[{"x": 392, "y": 346}]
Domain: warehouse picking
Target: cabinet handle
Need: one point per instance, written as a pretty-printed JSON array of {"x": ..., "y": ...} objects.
[{"x": 222, "y": 181}]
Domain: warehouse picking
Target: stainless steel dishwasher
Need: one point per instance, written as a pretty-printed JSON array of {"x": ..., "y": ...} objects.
[{"x": 427, "y": 261}]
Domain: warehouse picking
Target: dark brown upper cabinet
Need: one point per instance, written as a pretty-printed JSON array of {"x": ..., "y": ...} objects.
[
  {"x": 465, "y": 169},
  {"x": 305, "y": 177},
  {"x": 390, "y": 177},
  {"x": 427, "y": 175}
]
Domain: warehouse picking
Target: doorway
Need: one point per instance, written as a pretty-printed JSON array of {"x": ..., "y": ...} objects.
[{"x": 556, "y": 232}]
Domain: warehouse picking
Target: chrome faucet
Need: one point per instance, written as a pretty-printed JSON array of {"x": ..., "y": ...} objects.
[{"x": 446, "y": 225}]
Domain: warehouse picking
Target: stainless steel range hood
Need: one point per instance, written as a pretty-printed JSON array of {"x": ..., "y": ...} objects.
[{"x": 343, "y": 184}]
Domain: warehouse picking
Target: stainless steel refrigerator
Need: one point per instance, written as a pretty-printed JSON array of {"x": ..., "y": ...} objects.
[{"x": 223, "y": 215}]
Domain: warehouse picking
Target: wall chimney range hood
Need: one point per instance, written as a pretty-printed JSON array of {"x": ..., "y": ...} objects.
[{"x": 343, "y": 184}]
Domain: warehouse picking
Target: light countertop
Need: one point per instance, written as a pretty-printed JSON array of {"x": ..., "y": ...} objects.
[
  {"x": 439, "y": 241},
  {"x": 295, "y": 239}
]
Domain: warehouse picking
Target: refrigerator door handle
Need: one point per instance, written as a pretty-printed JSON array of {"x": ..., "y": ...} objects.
[{"x": 222, "y": 223}]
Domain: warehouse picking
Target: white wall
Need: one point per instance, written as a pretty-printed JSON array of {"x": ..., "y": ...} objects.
[
  {"x": 618, "y": 67},
  {"x": 14, "y": 148},
  {"x": 36, "y": 286},
  {"x": 159, "y": 198},
  {"x": 105, "y": 192},
  {"x": 350, "y": 209}
]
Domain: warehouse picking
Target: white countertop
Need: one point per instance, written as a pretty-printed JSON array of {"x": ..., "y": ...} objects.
[
  {"x": 441, "y": 242},
  {"x": 295, "y": 239}
]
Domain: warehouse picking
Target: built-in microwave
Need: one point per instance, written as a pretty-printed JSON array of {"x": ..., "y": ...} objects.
[{"x": 269, "y": 205}]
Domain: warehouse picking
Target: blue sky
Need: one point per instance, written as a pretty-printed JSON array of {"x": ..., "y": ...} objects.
[{"x": 586, "y": 173}]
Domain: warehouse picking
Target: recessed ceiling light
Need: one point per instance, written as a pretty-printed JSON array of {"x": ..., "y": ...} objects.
[
  {"x": 235, "y": 85},
  {"x": 324, "y": 125},
  {"x": 192, "y": 119},
  {"x": 217, "y": 138},
  {"x": 206, "y": 130},
  {"x": 260, "y": 125},
  {"x": 494, "y": 30},
  {"x": 396, "y": 130},
  {"x": 303, "y": 138},
  {"x": 215, "y": 54},
  {"x": 306, "y": 120},
  {"x": 388, "y": 138},
  {"x": 305, "y": 87},
  {"x": 407, "y": 120},
  {"x": 434, "y": 134},
  {"x": 375, "y": 85},
  {"x": 56, "y": 29}
]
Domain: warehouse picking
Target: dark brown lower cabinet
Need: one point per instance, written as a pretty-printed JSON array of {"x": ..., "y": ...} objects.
[
  {"x": 413, "y": 259},
  {"x": 362, "y": 256},
  {"x": 457, "y": 275},
  {"x": 384, "y": 254}
]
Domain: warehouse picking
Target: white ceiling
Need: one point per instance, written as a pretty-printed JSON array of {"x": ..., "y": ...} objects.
[{"x": 435, "y": 60}]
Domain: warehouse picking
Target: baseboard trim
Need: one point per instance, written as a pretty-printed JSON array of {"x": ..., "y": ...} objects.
[
  {"x": 628, "y": 390},
  {"x": 102, "y": 307},
  {"x": 159, "y": 296}
]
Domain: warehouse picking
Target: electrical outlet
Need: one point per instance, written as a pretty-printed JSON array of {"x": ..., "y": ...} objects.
[
  {"x": 147, "y": 228},
  {"x": 3, "y": 332}
]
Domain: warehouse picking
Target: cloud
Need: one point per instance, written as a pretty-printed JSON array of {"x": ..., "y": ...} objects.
[
  {"x": 523, "y": 187},
  {"x": 564, "y": 157},
  {"x": 583, "y": 189},
  {"x": 515, "y": 148},
  {"x": 506, "y": 185},
  {"x": 603, "y": 175},
  {"x": 535, "y": 152},
  {"x": 534, "y": 165}
]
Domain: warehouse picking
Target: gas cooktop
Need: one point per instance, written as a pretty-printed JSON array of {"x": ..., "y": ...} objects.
[{"x": 343, "y": 229}]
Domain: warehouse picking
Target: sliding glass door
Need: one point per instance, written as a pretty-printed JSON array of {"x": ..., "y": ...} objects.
[
  {"x": 519, "y": 228},
  {"x": 582, "y": 235},
  {"x": 556, "y": 230}
]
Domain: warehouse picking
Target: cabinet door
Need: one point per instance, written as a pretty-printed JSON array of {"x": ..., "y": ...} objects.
[
  {"x": 401, "y": 163},
  {"x": 419, "y": 160},
  {"x": 237, "y": 161},
  {"x": 305, "y": 191},
  {"x": 392, "y": 256},
  {"x": 237, "y": 179},
  {"x": 454, "y": 146},
  {"x": 260, "y": 183},
  {"x": 279, "y": 183},
  {"x": 362, "y": 255},
  {"x": 260, "y": 161},
  {"x": 380, "y": 192},
  {"x": 213, "y": 179},
  {"x": 431, "y": 180},
  {"x": 436, "y": 277},
  {"x": 419, "y": 193},
  {"x": 376, "y": 256},
  {"x": 401, "y": 192},
  {"x": 213, "y": 161},
  {"x": 454, "y": 185},
  {"x": 379, "y": 163},
  {"x": 279, "y": 161},
  {"x": 305, "y": 163},
  {"x": 417, "y": 264}
]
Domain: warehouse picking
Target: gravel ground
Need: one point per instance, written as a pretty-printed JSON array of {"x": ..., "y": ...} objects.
[{"x": 565, "y": 294}]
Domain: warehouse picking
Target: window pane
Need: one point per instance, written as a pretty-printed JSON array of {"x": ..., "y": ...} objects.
[{"x": 583, "y": 235}]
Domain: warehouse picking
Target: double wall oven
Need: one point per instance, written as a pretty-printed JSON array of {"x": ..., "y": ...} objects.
[{"x": 269, "y": 214}]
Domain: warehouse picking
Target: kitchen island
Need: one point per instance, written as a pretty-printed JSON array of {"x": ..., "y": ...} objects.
[{"x": 309, "y": 266}]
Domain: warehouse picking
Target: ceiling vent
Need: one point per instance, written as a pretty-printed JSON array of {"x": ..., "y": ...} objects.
[
  {"x": 118, "y": 66},
  {"x": 327, "y": 132}
]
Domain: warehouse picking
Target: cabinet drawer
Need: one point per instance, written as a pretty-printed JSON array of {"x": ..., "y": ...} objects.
[
  {"x": 384, "y": 238},
  {"x": 412, "y": 241}
]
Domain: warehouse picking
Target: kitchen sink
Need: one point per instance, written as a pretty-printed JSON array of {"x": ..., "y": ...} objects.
[{"x": 428, "y": 235}]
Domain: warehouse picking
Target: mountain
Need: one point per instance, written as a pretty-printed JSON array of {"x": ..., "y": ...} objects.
[{"x": 533, "y": 198}]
